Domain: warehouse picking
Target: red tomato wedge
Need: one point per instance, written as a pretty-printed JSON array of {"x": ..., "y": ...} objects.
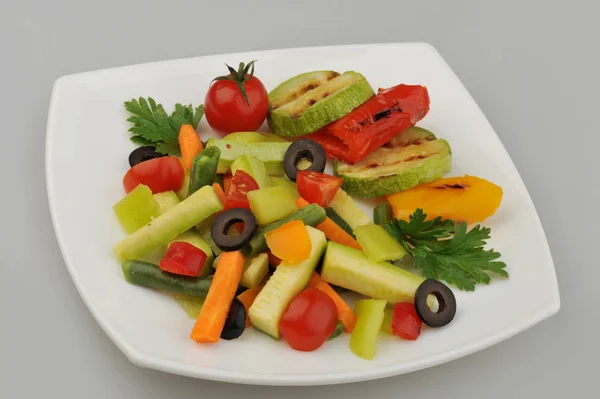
[
  {"x": 405, "y": 321},
  {"x": 184, "y": 259},
  {"x": 160, "y": 174},
  {"x": 317, "y": 188},
  {"x": 241, "y": 184},
  {"x": 374, "y": 123}
]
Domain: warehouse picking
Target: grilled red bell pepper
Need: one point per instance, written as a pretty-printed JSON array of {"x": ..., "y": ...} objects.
[
  {"x": 374, "y": 123},
  {"x": 183, "y": 258}
]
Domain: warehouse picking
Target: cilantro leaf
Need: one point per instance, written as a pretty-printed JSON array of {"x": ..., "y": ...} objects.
[
  {"x": 445, "y": 250},
  {"x": 153, "y": 126}
]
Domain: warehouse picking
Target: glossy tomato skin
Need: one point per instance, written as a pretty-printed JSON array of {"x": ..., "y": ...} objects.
[
  {"x": 159, "y": 174},
  {"x": 406, "y": 323},
  {"x": 183, "y": 258},
  {"x": 317, "y": 188},
  {"x": 309, "y": 320},
  {"x": 226, "y": 109},
  {"x": 237, "y": 196}
]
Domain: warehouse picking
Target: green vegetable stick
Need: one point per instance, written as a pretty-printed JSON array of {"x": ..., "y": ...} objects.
[
  {"x": 369, "y": 316},
  {"x": 185, "y": 215},
  {"x": 270, "y": 153},
  {"x": 149, "y": 275},
  {"x": 204, "y": 169},
  {"x": 382, "y": 214}
]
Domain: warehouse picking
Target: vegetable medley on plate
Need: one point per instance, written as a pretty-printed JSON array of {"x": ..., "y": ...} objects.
[{"x": 247, "y": 231}]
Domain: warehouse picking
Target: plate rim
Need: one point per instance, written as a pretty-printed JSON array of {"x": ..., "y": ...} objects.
[{"x": 149, "y": 361}]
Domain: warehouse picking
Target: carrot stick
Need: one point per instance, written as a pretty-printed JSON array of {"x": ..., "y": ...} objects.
[
  {"x": 220, "y": 193},
  {"x": 213, "y": 314},
  {"x": 190, "y": 145},
  {"x": 226, "y": 183},
  {"x": 247, "y": 298},
  {"x": 345, "y": 313},
  {"x": 332, "y": 231}
]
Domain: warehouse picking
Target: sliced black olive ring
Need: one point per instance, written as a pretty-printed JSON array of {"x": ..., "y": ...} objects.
[
  {"x": 142, "y": 154},
  {"x": 446, "y": 303},
  {"x": 304, "y": 149},
  {"x": 223, "y": 223},
  {"x": 235, "y": 322}
]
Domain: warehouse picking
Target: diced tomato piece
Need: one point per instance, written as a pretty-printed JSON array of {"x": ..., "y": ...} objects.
[
  {"x": 317, "y": 188},
  {"x": 183, "y": 258},
  {"x": 374, "y": 123},
  {"x": 405, "y": 321},
  {"x": 241, "y": 184},
  {"x": 160, "y": 174}
]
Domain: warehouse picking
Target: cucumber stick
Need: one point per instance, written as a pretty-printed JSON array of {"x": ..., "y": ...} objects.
[
  {"x": 287, "y": 281},
  {"x": 149, "y": 275},
  {"x": 255, "y": 271},
  {"x": 185, "y": 215},
  {"x": 351, "y": 269},
  {"x": 166, "y": 200},
  {"x": 369, "y": 317},
  {"x": 270, "y": 153},
  {"x": 311, "y": 215},
  {"x": 254, "y": 167},
  {"x": 349, "y": 210},
  {"x": 377, "y": 244}
]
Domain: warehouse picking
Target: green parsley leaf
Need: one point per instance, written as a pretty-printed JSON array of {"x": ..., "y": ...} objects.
[
  {"x": 170, "y": 147},
  {"x": 445, "y": 250},
  {"x": 153, "y": 126}
]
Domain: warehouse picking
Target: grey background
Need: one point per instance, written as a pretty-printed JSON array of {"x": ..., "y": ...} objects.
[{"x": 532, "y": 66}]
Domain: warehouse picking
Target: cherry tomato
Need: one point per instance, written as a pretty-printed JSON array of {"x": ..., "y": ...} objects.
[
  {"x": 309, "y": 320},
  {"x": 226, "y": 107},
  {"x": 241, "y": 184},
  {"x": 317, "y": 188},
  {"x": 405, "y": 321},
  {"x": 159, "y": 174}
]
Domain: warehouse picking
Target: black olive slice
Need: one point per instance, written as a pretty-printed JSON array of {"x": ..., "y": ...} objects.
[
  {"x": 235, "y": 322},
  {"x": 225, "y": 220},
  {"x": 446, "y": 302},
  {"x": 304, "y": 149},
  {"x": 142, "y": 154}
]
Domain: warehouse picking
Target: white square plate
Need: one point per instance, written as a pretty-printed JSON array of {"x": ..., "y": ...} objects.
[{"x": 87, "y": 145}]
